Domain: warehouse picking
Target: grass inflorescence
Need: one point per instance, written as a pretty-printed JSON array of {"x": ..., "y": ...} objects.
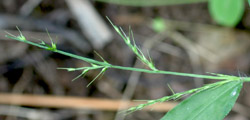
[{"x": 130, "y": 42}]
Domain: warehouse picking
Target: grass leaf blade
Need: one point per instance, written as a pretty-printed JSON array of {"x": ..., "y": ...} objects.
[{"x": 211, "y": 104}]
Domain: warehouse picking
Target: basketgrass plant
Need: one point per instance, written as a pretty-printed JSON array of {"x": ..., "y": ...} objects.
[{"x": 216, "y": 99}]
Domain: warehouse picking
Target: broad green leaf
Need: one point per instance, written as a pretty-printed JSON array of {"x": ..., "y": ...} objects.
[
  {"x": 211, "y": 104},
  {"x": 227, "y": 12},
  {"x": 249, "y": 2},
  {"x": 150, "y": 2}
]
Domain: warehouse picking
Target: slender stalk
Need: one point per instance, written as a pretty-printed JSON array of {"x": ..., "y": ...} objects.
[
  {"x": 60, "y": 52},
  {"x": 88, "y": 60},
  {"x": 168, "y": 72}
]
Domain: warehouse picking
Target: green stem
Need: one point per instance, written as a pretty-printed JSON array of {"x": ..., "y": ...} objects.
[
  {"x": 82, "y": 58},
  {"x": 104, "y": 64},
  {"x": 61, "y": 52},
  {"x": 168, "y": 72}
]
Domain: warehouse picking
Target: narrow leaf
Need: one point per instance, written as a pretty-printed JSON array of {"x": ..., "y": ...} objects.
[
  {"x": 227, "y": 12},
  {"x": 150, "y": 2},
  {"x": 211, "y": 104}
]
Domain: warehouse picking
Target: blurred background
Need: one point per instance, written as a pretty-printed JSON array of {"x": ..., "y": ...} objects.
[{"x": 183, "y": 37}]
